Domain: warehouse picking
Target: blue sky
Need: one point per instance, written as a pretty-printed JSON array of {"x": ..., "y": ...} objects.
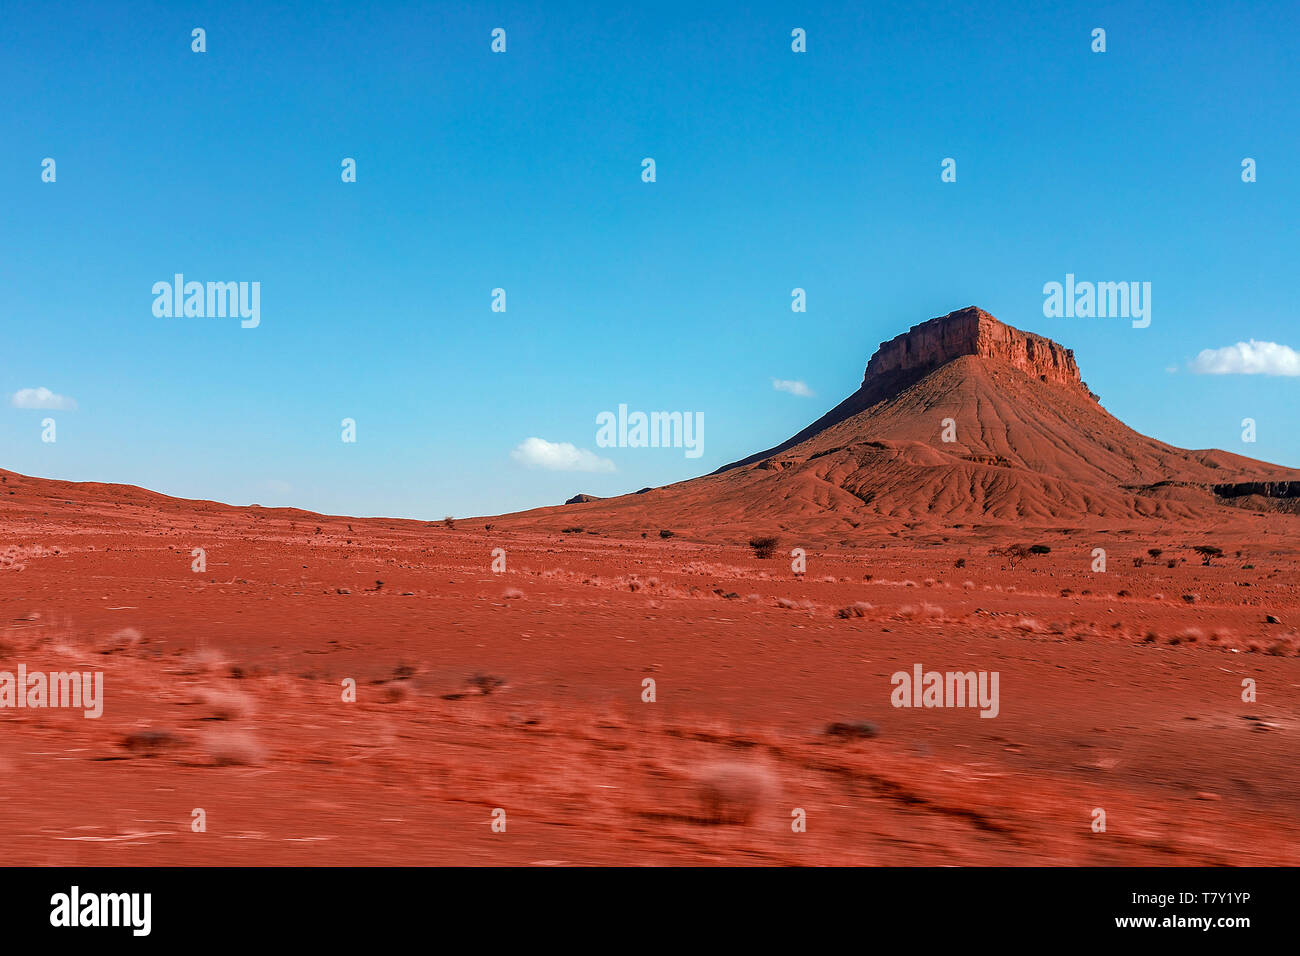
[{"x": 522, "y": 171}]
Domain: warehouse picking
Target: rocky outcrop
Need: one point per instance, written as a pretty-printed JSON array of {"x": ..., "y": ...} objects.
[
  {"x": 972, "y": 331},
  {"x": 580, "y": 499},
  {"x": 1265, "y": 489}
]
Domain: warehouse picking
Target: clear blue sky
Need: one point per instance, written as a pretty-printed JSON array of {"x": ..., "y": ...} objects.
[{"x": 522, "y": 170}]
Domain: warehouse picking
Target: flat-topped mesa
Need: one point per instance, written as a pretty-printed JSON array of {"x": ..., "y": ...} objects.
[{"x": 973, "y": 331}]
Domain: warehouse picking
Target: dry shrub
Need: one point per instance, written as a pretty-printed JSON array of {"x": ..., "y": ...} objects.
[
  {"x": 220, "y": 703},
  {"x": 852, "y": 729},
  {"x": 232, "y": 748},
  {"x": 732, "y": 793},
  {"x": 792, "y": 605},
  {"x": 150, "y": 741},
  {"x": 206, "y": 660},
  {"x": 925, "y": 611},
  {"x": 857, "y": 609},
  {"x": 396, "y": 691},
  {"x": 124, "y": 640},
  {"x": 486, "y": 684}
]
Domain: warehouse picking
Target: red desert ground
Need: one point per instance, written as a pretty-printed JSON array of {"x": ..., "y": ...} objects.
[{"x": 1146, "y": 713}]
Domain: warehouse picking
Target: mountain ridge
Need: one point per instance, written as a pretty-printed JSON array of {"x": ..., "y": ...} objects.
[
  {"x": 966, "y": 418},
  {"x": 962, "y": 419}
]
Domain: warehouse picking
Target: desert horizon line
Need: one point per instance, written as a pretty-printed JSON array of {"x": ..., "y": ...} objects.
[{"x": 923, "y": 349}]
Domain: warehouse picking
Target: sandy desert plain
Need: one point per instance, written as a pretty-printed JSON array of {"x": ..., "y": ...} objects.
[{"x": 522, "y": 690}]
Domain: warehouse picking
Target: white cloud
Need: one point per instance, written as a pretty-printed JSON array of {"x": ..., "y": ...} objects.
[
  {"x": 558, "y": 456},
  {"x": 793, "y": 386},
  {"x": 42, "y": 398},
  {"x": 1248, "y": 358}
]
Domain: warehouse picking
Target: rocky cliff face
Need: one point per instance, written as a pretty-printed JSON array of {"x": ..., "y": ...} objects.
[
  {"x": 972, "y": 331},
  {"x": 1265, "y": 489}
]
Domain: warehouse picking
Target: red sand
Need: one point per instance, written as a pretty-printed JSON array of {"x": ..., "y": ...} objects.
[{"x": 522, "y": 690}]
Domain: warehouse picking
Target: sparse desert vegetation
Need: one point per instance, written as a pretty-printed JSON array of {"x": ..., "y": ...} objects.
[{"x": 523, "y": 689}]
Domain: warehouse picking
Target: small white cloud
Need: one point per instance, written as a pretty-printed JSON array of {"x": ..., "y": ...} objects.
[
  {"x": 1248, "y": 358},
  {"x": 793, "y": 386},
  {"x": 42, "y": 398},
  {"x": 559, "y": 456}
]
